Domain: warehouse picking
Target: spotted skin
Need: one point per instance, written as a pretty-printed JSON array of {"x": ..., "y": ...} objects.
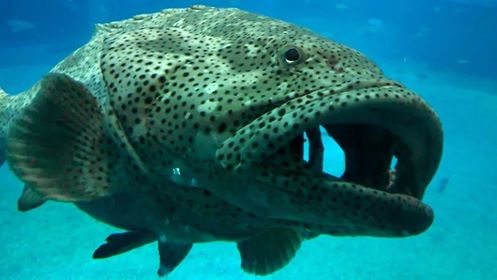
[
  {"x": 206, "y": 109},
  {"x": 203, "y": 92}
]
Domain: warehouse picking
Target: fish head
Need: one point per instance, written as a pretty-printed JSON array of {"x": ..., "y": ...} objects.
[
  {"x": 210, "y": 72},
  {"x": 223, "y": 98}
]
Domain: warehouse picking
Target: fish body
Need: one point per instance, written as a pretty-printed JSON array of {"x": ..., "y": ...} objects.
[{"x": 188, "y": 124}]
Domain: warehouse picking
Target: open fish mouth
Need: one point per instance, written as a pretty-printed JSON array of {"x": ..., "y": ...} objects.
[{"x": 374, "y": 122}]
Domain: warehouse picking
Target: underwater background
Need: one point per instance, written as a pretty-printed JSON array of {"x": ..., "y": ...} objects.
[{"x": 444, "y": 50}]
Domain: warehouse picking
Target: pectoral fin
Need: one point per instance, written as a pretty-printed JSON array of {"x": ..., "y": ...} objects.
[
  {"x": 171, "y": 255},
  {"x": 59, "y": 145},
  {"x": 269, "y": 251},
  {"x": 119, "y": 243},
  {"x": 29, "y": 199}
]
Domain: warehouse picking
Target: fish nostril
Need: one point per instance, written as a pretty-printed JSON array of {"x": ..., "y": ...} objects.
[
  {"x": 332, "y": 64},
  {"x": 338, "y": 69}
]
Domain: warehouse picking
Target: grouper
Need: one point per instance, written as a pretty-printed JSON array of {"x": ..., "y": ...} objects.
[{"x": 189, "y": 125}]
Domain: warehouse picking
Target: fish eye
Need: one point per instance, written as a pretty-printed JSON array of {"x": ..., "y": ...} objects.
[{"x": 292, "y": 55}]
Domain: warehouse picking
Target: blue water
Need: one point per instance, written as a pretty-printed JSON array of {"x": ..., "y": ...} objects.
[{"x": 444, "y": 50}]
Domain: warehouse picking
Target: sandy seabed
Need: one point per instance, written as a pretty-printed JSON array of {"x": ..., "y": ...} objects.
[{"x": 56, "y": 241}]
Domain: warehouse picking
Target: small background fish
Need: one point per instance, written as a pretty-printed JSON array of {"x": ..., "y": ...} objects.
[{"x": 442, "y": 184}]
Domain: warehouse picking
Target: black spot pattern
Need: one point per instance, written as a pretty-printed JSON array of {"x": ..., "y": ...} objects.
[
  {"x": 217, "y": 94},
  {"x": 180, "y": 86}
]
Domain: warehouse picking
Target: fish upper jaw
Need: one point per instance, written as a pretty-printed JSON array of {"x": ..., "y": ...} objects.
[{"x": 372, "y": 122}]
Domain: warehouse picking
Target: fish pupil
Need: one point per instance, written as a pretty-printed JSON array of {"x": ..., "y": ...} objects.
[{"x": 292, "y": 55}]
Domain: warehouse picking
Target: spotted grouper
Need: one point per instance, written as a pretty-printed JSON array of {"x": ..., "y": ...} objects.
[{"x": 188, "y": 126}]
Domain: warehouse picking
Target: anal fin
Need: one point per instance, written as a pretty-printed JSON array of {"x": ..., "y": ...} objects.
[
  {"x": 269, "y": 251},
  {"x": 59, "y": 144},
  {"x": 119, "y": 243},
  {"x": 171, "y": 254}
]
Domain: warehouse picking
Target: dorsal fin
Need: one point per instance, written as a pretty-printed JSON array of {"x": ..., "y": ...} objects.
[{"x": 59, "y": 144}]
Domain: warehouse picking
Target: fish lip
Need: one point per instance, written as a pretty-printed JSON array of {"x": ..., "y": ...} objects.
[
  {"x": 387, "y": 105},
  {"x": 403, "y": 222}
]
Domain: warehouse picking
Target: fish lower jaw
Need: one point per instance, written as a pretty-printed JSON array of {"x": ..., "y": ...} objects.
[{"x": 326, "y": 204}]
